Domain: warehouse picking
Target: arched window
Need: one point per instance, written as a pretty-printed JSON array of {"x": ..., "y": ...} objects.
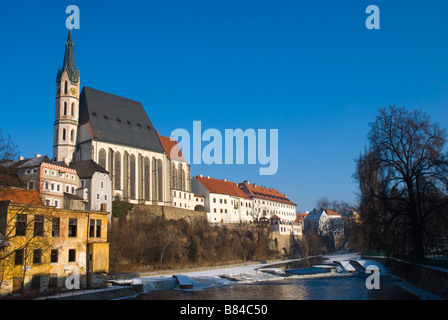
[
  {"x": 102, "y": 158},
  {"x": 159, "y": 180},
  {"x": 174, "y": 180},
  {"x": 65, "y": 108},
  {"x": 132, "y": 176},
  {"x": 65, "y": 87},
  {"x": 182, "y": 173},
  {"x": 63, "y": 134},
  {"x": 117, "y": 173},
  {"x": 72, "y": 113},
  {"x": 154, "y": 179},
  {"x": 72, "y": 135},
  {"x": 147, "y": 178}
]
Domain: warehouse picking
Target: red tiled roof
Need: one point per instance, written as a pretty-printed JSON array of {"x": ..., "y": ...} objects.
[
  {"x": 301, "y": 216},
  {"x": 19, "y": 195},
  {"x": 221, "y": 187},
  {"x": 264, "y": 193},
  {"x": 171, "y": 148},
  {"x": 331, "y": 213}
]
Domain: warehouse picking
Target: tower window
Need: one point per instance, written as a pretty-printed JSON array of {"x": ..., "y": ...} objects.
[
  {"x": 73, "y": 109},
  {"x": 65, "y": 87},
  {"x": 65, "y": 108},
  {"x": 63, "y": 134},
  {"x": 72, "y": 135}
]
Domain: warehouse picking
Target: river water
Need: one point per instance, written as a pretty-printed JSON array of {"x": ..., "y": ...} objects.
[{"x": 349, "y": 286}]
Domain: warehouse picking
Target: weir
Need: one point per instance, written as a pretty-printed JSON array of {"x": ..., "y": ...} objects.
[{"x": 184, "y": 281}]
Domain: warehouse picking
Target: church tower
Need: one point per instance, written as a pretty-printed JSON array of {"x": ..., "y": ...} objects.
[{"x": 67, "y": 106}]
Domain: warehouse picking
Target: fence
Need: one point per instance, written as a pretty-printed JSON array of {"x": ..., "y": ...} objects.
[{"x": 431, "y": 259}]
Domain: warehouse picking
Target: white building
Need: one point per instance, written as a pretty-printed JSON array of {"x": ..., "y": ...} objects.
[
  {"x": 320, "y": 220},
  {"x": 95, "y": 185},
  {"x": 224, "y": 201},
  {"x": 268, "y": 202}
]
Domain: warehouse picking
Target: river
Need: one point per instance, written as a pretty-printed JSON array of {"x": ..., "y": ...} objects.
[{"x": 348, "y": 286}]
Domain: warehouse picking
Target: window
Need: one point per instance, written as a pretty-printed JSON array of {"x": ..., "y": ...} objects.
[
  {"x": 21, "y": 225},
  {"x": 98, "y": 228},
  {"x": 35, "y": 282},
  {"x": 55, "y": 227},
  {"x": 47, "y": 202},
  {"x": 64, "y": 133},
  {"x": 18, "y": 258},
  {"x": 30, "y": 184},
  {"x": 65, "y": 108},
  {"x": 37, "y": 256},
  {"x": 56, "y": 203},
  {"x": 117, "y": 171},
  {"x": 71, "y": 255},
  {"x": 72, "y": 113},
  {"x": 54, "y": 256},
  {"x": 102, "y": 184},
  {"x": 214, "y": 210},
  {"x": 97, "y": 196},
  {"x": 102, "y": 158},
  {"x": 53, "y": 283},
  {"x": 91, "y": 228},
  {"x": 65, "y": 87},
  {"x": 38, "y": 225},
  {"x": 132, "y": 177},
  {"x": 72, "y": 227},
  {"x": 72, "y": 135}
]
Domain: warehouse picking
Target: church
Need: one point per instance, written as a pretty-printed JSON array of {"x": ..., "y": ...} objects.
[{"x": 117, "y": 134}]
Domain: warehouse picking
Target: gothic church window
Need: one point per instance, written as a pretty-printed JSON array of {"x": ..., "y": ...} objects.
[
  {"x": 102, "y": 158},
  {"x": 132, "y": 176},
  {"x": 147, "y": 178},
  {"x": 117, "y": 173},
  {"x": 159, "y": 180}
]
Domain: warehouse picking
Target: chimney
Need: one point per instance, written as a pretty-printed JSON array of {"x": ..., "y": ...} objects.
[
  {"x": 246, "y": 181},
  {"x": 21, "y": 158},
  {"x": 37, "y": 155}
]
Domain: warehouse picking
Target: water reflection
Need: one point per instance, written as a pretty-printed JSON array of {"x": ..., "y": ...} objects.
[{"x": 350, "y": 287}]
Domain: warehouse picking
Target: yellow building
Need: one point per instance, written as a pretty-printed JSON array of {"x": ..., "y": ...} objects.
[{"x": 44, "y": 249}]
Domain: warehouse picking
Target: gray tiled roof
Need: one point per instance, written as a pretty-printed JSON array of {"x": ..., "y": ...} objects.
[
  {"x": 87, "y": 168},
  {"x": 117, "y": 120}
]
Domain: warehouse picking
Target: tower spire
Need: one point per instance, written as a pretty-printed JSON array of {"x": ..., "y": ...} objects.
[{"x": 69, "y": 61}]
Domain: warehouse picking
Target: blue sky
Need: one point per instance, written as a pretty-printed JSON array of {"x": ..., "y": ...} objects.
[{"x": 310, "y": 69}]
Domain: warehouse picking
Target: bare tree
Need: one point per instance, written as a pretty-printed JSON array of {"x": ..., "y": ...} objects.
[
  {"x": 403, "y": 178},
  {"x": 8, "y": 150}
]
